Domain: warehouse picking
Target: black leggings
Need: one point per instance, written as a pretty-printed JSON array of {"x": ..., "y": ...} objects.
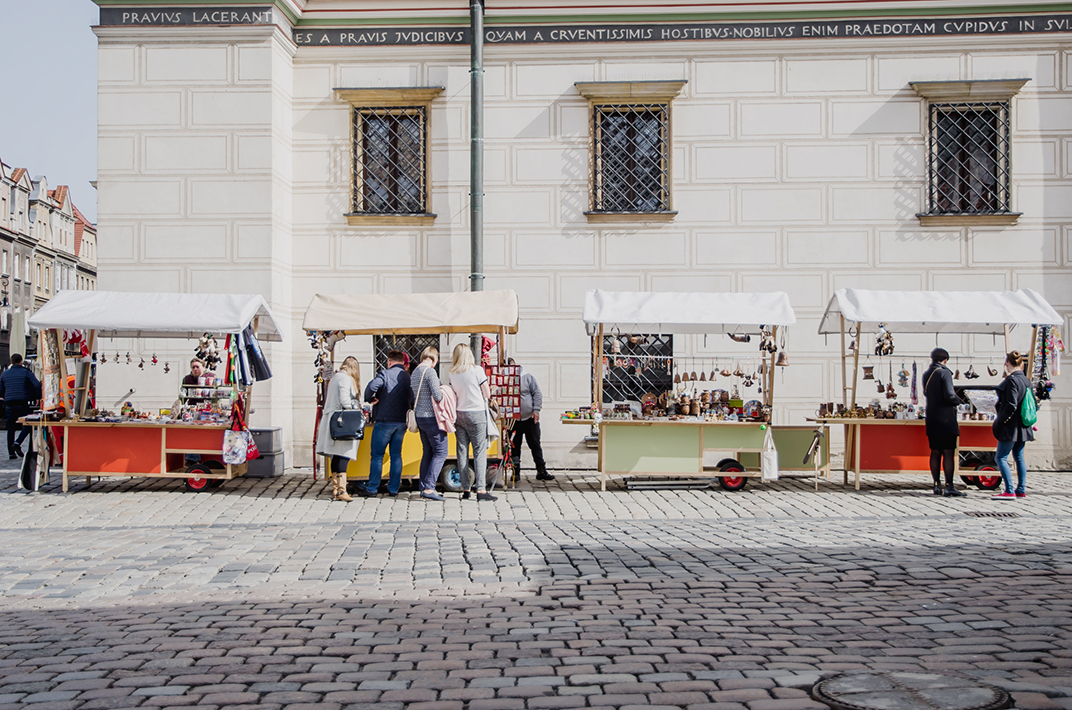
[
  {"x": 948, "y": 458},
  {"x": 339, "y": 464}
]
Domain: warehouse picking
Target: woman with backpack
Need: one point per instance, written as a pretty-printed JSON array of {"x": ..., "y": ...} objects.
[
  {"x": 1009, "y": 427},
  {"x": 941, "y": 422}
]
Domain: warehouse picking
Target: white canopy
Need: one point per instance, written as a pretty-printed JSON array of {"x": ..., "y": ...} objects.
[
  {"x": 648, "y": 312},
  {"x": 986, "y": 312},
  {"x": 414, "y": 313},
  {"x": 114, "y": 314}
]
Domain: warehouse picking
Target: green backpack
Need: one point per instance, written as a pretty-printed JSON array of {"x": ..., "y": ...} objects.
[{"x": 1029, "y": 409}]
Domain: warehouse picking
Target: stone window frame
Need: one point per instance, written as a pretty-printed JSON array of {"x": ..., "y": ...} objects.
[
  {"x": 981, "y": 91},
  {"x": 390, "y": 97},
  {"x": 624, "y": 93}
]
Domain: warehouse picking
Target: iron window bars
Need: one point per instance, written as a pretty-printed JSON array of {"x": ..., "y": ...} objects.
[
  {"x": 631, "y": 158},
  {"x": 390, "y": 147},
  {"x": 412, "y": 345},
  {"x": 969, "y": 161},
  {"x": 634, "y": 365}
]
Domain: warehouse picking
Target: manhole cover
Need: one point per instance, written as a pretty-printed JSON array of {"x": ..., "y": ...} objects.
[
  {"x": 990, "y": 514},
  {"x": 908, "y": 691}
]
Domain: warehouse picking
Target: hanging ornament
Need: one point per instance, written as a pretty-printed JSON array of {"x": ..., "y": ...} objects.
[
  {"x": 883, "y": 341},
  {"x": 154, "y": 360},
  {"x": 103, "y": 357},
  {"x": 915, "y": 394},
  {"x": 902, "y": 376},
  {"x": 167, "y": 367},
  {"x": 129, "y": 360},
  {"x": 141, "y": 365}
]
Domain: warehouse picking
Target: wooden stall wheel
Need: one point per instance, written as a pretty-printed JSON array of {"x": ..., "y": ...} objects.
[{"x": 732, "y": 483}]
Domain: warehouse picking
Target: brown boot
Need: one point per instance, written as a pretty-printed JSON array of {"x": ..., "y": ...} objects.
[{"x": 338, "y": 488}]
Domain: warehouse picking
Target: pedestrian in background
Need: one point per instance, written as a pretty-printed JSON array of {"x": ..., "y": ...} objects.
[
  {"x": 1009, "y": 428},
  {"x": 426, "y": 389},
  {"x": 471, "y": 385},
  {"x": 18, "y": 387},
  {"x": 528, "y": 426},
  {"x": 390, "y": 394},
  {"x": 343, "y": 392},
  {"x": 943, "y": 430}
]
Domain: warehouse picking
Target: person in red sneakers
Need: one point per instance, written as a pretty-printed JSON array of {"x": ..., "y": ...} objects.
[{"x": 1009, "y": 429}]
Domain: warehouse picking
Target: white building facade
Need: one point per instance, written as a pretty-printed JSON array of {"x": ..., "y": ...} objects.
[{"x": 788, "y": 151}]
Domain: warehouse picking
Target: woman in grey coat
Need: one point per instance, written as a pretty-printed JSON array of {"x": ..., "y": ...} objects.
[
  {"x": 1009, "y": 429},
  {"x": 343, "y": 392}
]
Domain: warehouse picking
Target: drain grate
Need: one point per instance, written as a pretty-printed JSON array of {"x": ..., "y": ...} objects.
[
  {"x": 908, "y": 691},
  {"x": 990, "y": 514}
]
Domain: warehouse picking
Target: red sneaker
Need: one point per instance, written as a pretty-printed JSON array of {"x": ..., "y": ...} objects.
[
  {"x": 1021, "y": 495},
  {"x": 1004, "y": 496}
]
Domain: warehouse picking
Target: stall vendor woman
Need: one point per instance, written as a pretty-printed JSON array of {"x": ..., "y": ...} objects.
[{"x": 197, "y": 371}]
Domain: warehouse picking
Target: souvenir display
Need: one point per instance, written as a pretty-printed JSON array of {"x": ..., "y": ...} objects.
[{"x": 505, "y": 384}]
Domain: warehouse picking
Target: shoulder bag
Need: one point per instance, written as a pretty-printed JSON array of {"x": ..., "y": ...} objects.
[
  {"x": 347, "y": 425},
  {"x": 411, "y": 414}
]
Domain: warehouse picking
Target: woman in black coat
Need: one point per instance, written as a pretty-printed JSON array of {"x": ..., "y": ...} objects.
[
  {"x": 1009, "y": 429},
  {"x": 942, "y": 427}
]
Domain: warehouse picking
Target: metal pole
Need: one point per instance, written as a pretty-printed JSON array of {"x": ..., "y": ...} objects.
[{"x": 476, "y": 157}]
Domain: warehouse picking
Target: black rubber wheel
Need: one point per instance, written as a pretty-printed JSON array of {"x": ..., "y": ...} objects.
[
  {"x": 985, "y": 482},
  {"x": 732, "y": 483},
  {"x": 198, "y": 482},
  {"x": 451, "y": 478},
  {"x": 970, "y": 480}
]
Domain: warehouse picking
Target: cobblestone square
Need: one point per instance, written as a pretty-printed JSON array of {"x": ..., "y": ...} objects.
[{"x": 267, "y": 594}]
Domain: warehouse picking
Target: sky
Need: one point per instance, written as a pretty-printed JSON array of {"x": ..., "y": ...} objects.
[{"x": 49, "y": 87}]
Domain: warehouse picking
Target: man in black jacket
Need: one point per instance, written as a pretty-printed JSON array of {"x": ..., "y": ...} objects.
[
  {"x": 390, "y": 395},
  {"x": 18, "y": 387}
]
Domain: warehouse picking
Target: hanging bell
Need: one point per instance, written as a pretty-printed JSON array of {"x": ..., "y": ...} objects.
[
  {"x": 684, "y": 376},
  {"x": 783, "y": 359},
  {"x": 762, "y": 367},
  {"x": 703, "y": 377},
  {"x": 677, "y": 379},
  {"x": 712, "y": 377},
  {"x": 693, "y": 377},
  {"x": 738, "y": 372},
  {"x": 726, "y": 372},
  {"x": 956, "y": 374},
  {"x": 852, "y": 345}
]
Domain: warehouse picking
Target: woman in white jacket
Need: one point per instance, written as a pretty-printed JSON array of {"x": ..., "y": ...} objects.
[{"x": 344, "y": 392}]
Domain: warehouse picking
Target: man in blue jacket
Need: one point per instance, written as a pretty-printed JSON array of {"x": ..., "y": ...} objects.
[
  {"x": 18, "y": 387},
  {"x": 390, "y": 395}
]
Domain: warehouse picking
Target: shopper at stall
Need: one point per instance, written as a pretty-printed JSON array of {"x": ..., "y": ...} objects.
[
  {"x": 1009, "y": 428},
  {"x": 426, "y": 388},
  {"x": 343, "y": 392},
  {"x": 390, "y": 394},
  {"x": 528, "y": 426},
  {"x": 18, "y": 387},
  {"x": 197, "y": 371},
  {"x": 471, "y": 385},
  {"x": 941, "y": 424}
]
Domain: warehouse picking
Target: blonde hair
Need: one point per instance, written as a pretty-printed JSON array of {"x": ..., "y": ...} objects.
[
  {"x": 352, "y": 368},
  {"x": 1015, "y": 359},
  {"x": 463, "y": 359},
  {"x": 430, "y": 353}
]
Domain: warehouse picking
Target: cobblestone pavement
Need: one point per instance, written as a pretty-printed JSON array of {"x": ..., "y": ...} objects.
[{"x": 266, "y": 594}]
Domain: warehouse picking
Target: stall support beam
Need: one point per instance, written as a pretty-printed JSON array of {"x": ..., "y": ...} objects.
[
  {"x": 844, "y": 372},
  {"x": 1029, "y": 368},
  {"x": 598, "y": 404}
]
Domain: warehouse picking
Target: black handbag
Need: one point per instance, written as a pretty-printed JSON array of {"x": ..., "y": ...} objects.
[{"x": 347, "y": 424}]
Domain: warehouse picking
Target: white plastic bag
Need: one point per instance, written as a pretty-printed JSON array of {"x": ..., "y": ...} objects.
[
  {"x": 235, "y": 444},
  {"x": 768, "y": 459}
]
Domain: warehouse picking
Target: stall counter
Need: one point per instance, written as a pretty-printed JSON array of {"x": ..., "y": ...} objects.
[
  {"x": 900, "y": 445},
  {"x": 151, "y": 449}
]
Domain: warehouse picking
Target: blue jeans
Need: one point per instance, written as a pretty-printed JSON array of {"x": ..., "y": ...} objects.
[
  {"x": 384, "y": 434},
  {"x": 1016, "y": 448},
  {"x": 434, "y": 441}
]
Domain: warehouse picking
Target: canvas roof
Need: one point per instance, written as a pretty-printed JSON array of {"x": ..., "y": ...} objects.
[
  {"x": 650, "y": 312},
  {"x": 414, "y": 313},
  {"x": 115, "y": 314},
  {"x": 985, "y": 312}
]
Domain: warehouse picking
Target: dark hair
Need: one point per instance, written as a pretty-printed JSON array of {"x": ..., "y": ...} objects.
[
  {"x": 1015, "y": 359},
  {"x": 16, "y": 359},
  {"x": 939, "y": 355},
  {"x": 396, "y": 356}
]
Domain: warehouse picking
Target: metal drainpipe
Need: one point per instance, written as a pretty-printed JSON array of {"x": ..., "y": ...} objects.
[{"x": 476, "y": 158}]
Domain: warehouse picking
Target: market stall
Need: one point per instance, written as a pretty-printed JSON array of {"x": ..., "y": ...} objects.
[
  {"x": 890, "y": 437},
  {"x": 663, "y": 421},
  {"x": 90, "y": 440},
  {"x": 399, "y": 318}
]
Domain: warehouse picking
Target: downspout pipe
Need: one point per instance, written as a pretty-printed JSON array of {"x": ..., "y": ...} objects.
[{"x": 476, "y": 157}]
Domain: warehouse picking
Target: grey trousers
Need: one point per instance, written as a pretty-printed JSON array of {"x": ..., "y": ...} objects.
[{"x": 472, "y": 428}]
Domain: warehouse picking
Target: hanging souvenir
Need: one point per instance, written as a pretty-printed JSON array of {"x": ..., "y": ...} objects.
[
  {"x": 103, "y": 357},
  {"x": 154, "y": 360},
  {"x": 915, "y": 395},
  {"x": 883, "y": 341},
  {"x": 141, "y": 365},
  {"x": 971, "y": 374},
  {"x": 990, "y": 369},
  {"x": 167, "y": 367},
  {"x": 902, "y": 376},
  {"x": 129, "y": 358},
  {"x": 766, "y": 340}
]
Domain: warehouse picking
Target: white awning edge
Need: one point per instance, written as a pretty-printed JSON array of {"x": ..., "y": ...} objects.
[
  {"x": 117, "y": 314},
  {"x": 414, "y": 313},
  {"x": 970, "y": 312},
  {"x": 669, "y": 312}
]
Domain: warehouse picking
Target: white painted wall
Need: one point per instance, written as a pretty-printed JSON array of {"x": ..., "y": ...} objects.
[{"x": 797, "y": 166}]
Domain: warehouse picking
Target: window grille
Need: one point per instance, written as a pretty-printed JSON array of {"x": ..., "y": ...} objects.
[
  {"x": 634, "y": 365},
  {"x": 969, "y": 158},
  {"x": 631, "y": 158},
  {"x": 390, "y": 147},
  {"x": 412, "y": 345}
]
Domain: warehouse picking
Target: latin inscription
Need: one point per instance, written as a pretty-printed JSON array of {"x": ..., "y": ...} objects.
[{"x": 180, "y": 17}]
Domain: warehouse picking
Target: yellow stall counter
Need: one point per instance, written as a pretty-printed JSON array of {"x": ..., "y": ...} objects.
[{"x": 411, "y": 455}]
